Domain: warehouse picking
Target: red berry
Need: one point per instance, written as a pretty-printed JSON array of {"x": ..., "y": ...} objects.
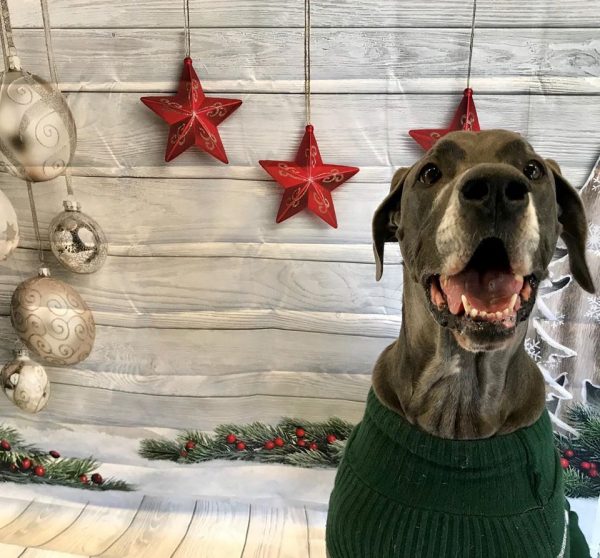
[
  {"x": 97, "y": 478},
  {"x": 279, "y": 442},
  {"x": 231, "y": 439},
  {"x": 269, "y": 444},
  {"x": 190, "y": 445},
  {"x": 54, "y": 454},
  {"x": 564, "y": 463},
  {"x": 300, "y": 432},
  {"x": 331, "y": 438},
  {"x": 593, "y": 473},
  {"x": 26, "y": 464},
  {"x": 301, "y": 442},
  {"x": 13, "y": 468},
  {"x": 5, "y": 445},
  {"x": 39, "y": 471},
  {"x": 313, "y": 446},
  {"x": 83, "y": 479},
  {"x": 183, "y": 453},
  {"x": 569, "y": 453},
  {"x": 586, "y": 465},
  {"x": 593, "y": 465},
  {"x": 240, "y": 446}
]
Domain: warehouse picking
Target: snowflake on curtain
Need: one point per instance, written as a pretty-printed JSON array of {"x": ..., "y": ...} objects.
[
  {"x": 593, "y": 308},
  {"x": 593, "y": 242},
  {"x": 533, "y": 349},
  {"x": 596, "y": 181}
]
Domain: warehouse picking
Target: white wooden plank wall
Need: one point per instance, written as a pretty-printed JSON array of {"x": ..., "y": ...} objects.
[{"x": 207, "y": 310}]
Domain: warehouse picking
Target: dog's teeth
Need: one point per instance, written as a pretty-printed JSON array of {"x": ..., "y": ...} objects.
[
  {"x": 506, "y": 312},
  {"x": 499, "y": 315},
  {"x": 483, "y": 313},
  {"x": 518, "y": 277},
  {"x": 513, "y": 300},
  {"x": 474, "y": 312},
  {"x": 465, "y": 304}
]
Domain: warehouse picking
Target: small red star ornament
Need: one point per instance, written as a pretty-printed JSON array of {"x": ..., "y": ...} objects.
[
  {"x": 192, "y": 116},
  {"x": 307, "y": 181},
  {"x": 465, "y": 118}
]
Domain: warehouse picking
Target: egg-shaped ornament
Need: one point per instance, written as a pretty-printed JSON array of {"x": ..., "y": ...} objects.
[
  {"x": 25, "y": 383},
  {"x": 52, "y": 320},
  {"x": 9, "y": 228},
  {"x": 77, "y": 240},
  {"x": 37, "y": 131}
]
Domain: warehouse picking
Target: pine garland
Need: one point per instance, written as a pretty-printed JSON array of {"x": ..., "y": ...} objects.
[
  {"x": 26, "y": 464},
  {"x": 291, "y": 442},
  {"x": 580, "y": 454}
]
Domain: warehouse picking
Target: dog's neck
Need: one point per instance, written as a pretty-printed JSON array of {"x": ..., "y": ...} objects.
[{"x": 450, "y": 392}]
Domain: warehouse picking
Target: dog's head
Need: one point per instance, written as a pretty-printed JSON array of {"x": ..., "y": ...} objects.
[{"x": 478, "y": 218}]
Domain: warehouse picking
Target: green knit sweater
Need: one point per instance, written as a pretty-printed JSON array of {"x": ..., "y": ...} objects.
[{"x": 402, "y": 493}]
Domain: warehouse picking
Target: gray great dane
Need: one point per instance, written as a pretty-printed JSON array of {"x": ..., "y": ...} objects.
[{"x": 477, "y": 220}]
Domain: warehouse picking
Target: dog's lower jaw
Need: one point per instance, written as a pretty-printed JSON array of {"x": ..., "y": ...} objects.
[{"x": 468, "y": 344}]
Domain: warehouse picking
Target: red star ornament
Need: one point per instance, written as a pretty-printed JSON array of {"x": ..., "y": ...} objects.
[
  {"x": 192, "y": 116},
  {"x": 307, "y": 181},
  {"x": 465, "y": 118}
]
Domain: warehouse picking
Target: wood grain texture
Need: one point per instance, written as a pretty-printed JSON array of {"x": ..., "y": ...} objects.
[
  {"x": 43, "y": 553},
  {"x": 11, "y": 550},
  {"x": 350, "y": 60},
  {"x": 316, "y": 520},
  {"x": 156, "y": 531},
  {"x": 95, "y": 530},
  {"x": 276, "y": 533},
  {"x": 328, "y": 13},
  {"x": 85, "y": 405},
  {"x": 119, "y": 136},
  {"x": 39, "y": 523},
  {"x": 11, "y": 509},
  {"x": 216, "y": 529}
]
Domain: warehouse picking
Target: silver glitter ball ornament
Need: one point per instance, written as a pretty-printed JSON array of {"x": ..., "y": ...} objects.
[
  {"x": 52, "y": 320},
  {"x": 25, "y": 383},
  {"x": 9, "y": 228},
  {"x": 77, "y": 240},
  {"x": 37, "y": 131}
]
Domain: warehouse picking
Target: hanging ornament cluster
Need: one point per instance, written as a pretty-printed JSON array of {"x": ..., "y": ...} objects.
[
  {"x": 465, "y": 117},
  {"x": 191, "y": 115},
  {"x": 37, "y": 142},
  {"x": 307, "y": 181}
]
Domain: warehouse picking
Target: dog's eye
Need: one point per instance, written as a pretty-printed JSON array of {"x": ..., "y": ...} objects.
[
  {"x": 430, "y": 174},
  {"x": 533, "y": 170}
]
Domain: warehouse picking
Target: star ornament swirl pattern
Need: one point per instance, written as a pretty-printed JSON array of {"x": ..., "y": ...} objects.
[
  {"x": 192, "y": 116},
  {"x": 307, "y": 181},
  {"x": 465, "y": 118}
]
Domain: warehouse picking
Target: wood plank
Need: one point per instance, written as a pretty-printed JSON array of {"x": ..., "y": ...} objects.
[
  {"x": 40, "y": 522},
  {"x": 217, "y": 217},
  {"x": 11, "y": 509},
  {"x": 328, "y": 13},
  {"x": 158, "y": 528},
  {"x": 119, "y": 136},
  {"x": 351, "y": 60},
  {"x": 43, "y": 553},
  {"x": 11, "y": 550},
  {"x": 316, "y": 519},
  {"x": 217, "y": 529},
  {"x": 85, "y": 405},
  {"x": 165, "y": 284},
  {"x": 96, "y": 529},
  {"x": 276, "y": 532}
]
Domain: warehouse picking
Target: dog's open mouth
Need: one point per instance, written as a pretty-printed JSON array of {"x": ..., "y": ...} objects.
[{"x": 485, "y": 293}]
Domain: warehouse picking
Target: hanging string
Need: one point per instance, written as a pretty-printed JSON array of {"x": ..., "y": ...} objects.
[
  {"x": 11, "y": 60},
  {"x": 471, "y": 43},
  {"x": 53, "y": 72},
  {"x": 186, "y": 27},
  {"x": 36, "y": 224},
  {"x": 307, "y": 59}
]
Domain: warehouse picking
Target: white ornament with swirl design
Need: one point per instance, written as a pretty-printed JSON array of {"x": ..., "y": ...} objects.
[
  {"x": 52, "y": 320},
  {"x": 37, "y": 131},
  {"x": 25, "y": 383}
]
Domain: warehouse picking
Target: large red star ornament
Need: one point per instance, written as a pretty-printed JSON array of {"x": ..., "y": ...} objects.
[
  {"x": 192, "y": 116},
  {"x": 465, "y": 118},
  {"x": 307, "y": 181}
]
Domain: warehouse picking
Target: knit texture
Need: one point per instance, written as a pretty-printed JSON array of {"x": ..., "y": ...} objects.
[{"x": 402, "y": 493}]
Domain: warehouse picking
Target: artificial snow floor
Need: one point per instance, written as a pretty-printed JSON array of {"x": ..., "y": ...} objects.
[{"x": 210, "y": 510}]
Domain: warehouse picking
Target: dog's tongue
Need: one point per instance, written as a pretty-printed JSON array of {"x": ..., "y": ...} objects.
[{"x": 490, "y": 290}]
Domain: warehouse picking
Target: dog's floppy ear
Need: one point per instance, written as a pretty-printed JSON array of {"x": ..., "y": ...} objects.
[
  {"x": 571, "y": 216},
  {"x": 384, "y": 229}
]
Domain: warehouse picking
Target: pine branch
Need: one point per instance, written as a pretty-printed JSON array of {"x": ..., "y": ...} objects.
[{"x": 579, "y": 486}]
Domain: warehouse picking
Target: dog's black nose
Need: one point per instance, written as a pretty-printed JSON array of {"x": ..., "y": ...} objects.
[{"x": 495, "y": 193}]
